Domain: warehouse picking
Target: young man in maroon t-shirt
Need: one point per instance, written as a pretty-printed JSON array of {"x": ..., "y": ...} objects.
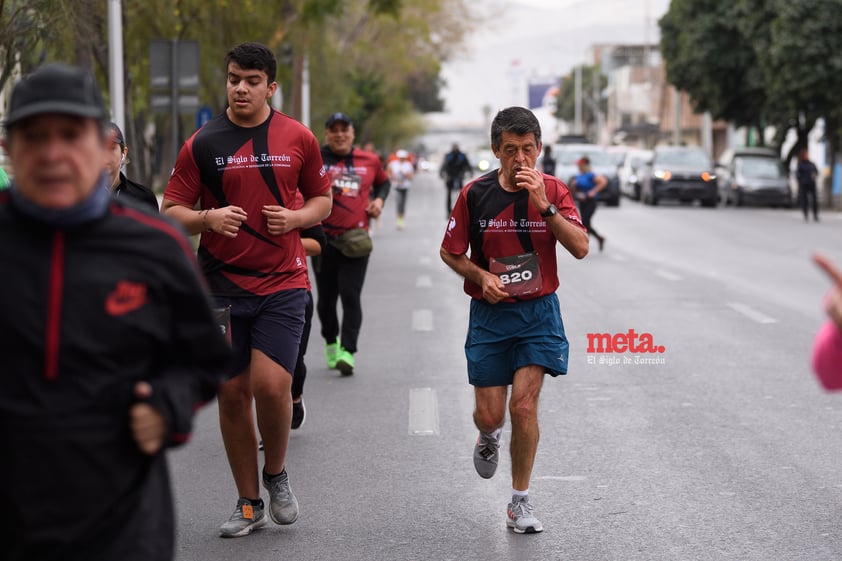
[{"x": 245, "y": 168}]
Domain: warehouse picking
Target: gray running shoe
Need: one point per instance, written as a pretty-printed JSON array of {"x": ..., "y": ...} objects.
[
  {"x": 283, "y": 506},
  {"x": 246, "y": 518},
  {"x": 520, "y": 517},
  {"x": 486, "y": 455}
]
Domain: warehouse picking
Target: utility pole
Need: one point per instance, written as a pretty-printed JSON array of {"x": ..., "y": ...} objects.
[
  {"x": 115, "y": 63},
  {"x": 305, "y": 91},
  {"x": 676, "y": 107},
  {"x": 577, "y": 97},
  {"x": 597, "y": 109}
]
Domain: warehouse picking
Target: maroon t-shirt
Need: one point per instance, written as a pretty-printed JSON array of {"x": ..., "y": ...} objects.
[
  {"x": 504, "y": 227},
  {"x": 224, "y": 164},
  {"x": 352, "y": 177}
]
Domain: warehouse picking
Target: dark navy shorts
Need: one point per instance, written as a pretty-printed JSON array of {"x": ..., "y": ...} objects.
[
  {"x": 506, "y": 336},
  {"x": 271, "y": 324}
]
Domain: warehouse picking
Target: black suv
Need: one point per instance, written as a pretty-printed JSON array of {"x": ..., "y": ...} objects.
[
  {"x": 753, "y": 175},
  {"x": 681, "y": 173}
]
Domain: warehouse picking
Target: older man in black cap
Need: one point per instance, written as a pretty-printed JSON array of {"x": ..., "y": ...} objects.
[{"x": 109, "y": 340}]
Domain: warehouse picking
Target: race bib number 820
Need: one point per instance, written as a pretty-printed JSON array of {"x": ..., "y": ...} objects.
[{"x": 521, "y": 274}]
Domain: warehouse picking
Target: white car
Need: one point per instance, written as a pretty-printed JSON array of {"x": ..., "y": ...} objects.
[{"x": 629, "y": 172}]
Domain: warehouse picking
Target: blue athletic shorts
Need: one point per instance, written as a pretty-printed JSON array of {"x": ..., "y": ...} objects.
[
  {"x": 272, "y": 324},
  {"x": 506, "y": 336}
]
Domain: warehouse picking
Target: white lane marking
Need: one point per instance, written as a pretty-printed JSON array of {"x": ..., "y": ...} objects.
[
  {"x": 561, "y": 478},
  {"x": 423, "y": 412},
  {"x": 424, "y": 281},
  {"x": 751, "y": 313},
  {"x": 664, "y": 274},
  {"x": 422, "y": 320},
  {"x": 618, "y": 257},
  {"x": 425, "y": 260}
]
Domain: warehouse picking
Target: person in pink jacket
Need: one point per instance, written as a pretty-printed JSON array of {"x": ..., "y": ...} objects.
[{"x": 827, "y": 347}]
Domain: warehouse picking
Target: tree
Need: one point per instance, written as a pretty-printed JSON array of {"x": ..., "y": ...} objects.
[
  {"x": 593, "y": 84},
  {"x": 379, "y": 60},
  {"x": 804, "y": 62},
  {"x": 803, "y": 66},
  {"x": 708, "y": 56},
  {"x": 25, "y": 27},
  {"x": 759, "y": 62}
]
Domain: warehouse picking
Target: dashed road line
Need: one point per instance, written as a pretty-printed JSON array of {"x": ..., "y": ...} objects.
[
  {"x": 670, "y": 276},
  {"x": 751, "y": 313},
  {"x": 422, "y": 320},
  {"x": 423, "y": 412}
]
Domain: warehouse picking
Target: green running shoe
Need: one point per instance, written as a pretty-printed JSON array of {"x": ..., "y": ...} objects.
[
  {"x": 345, "y": 362},
  {"x": 331, "y": 353}
]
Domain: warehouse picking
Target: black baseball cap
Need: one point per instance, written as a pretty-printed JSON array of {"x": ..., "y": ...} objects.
[
  {"x": 56, "y": 88},
  {"x": 338, "y": 117}
]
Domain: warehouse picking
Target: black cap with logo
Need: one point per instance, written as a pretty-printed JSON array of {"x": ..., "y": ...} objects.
[{"x": 338, "y": 117}]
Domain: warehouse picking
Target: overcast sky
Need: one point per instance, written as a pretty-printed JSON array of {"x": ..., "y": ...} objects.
[{"x": 532, "y": 38}]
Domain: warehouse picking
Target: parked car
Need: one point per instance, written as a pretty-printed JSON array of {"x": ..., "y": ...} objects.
[
  {"x": 566, "y": 156},
  {"x": 629, "y": 173},
  {"x": 618, "y": 152},
  {"x": 753, "y": 175},
  {"x": 681, "y": 173}
]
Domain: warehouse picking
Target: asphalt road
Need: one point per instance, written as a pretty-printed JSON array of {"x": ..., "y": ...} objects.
[{"x": 720, "y": 447}]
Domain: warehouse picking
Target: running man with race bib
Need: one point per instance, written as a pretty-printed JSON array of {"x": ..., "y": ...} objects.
[{"x": 502, "y": 238}]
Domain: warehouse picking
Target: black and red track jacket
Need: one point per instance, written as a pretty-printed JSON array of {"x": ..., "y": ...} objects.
[{"x": 85, "y": 313}]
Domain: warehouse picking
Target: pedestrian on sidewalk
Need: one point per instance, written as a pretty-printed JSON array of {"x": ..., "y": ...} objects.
[
  {"x": 502, "y": 238},
  {"x": 806, "y": 174},
  {"x": 109, "y": 341},
  {"x": 247, "y": 168}
]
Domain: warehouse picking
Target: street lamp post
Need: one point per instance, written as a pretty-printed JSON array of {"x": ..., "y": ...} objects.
[{"x": 115, "y": 63}]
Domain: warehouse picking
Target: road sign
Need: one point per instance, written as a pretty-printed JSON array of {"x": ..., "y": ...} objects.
[
  {"x": 174, "y": 80},
  {"x": 188, "y": 104},
  {"x": 174, "y": 71},
  {"x": 168, "y": 57},
  {"x": 203, "y": 116}
]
